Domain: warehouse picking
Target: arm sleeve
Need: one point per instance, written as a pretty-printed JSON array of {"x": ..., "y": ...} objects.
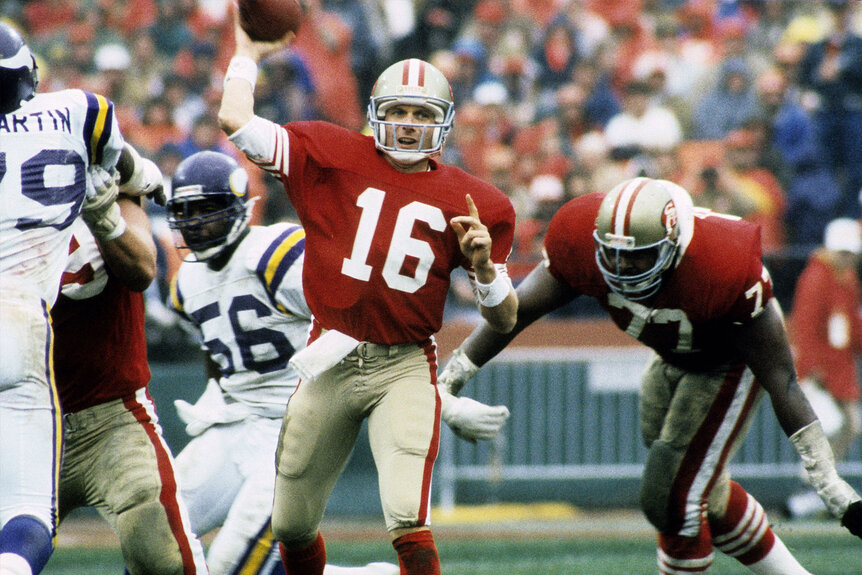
[{"x": 266, "y": 144}]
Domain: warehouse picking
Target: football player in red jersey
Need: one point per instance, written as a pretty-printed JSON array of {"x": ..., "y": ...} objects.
[
  {"x": 115, "y": 458},
  {"x": 385, "y": 225},
  {"x": 690, "y": 284}
]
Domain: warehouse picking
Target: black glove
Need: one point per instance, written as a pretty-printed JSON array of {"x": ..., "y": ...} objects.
[{"x": 852, "y": 519}]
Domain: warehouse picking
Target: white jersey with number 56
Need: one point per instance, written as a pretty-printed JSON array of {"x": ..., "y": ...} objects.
[{"x": 252, "y": 315}]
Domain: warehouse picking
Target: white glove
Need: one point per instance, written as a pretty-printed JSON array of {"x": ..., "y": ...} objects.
[
  {"x": 470, "y": 419},
  {"x": 817, "y": 458},
  {"x": 146, "y": 180},
  {"x": 101, "y": 212},
  {"x": 456, "y": 373},
  {"x": 210, "y": 409}
]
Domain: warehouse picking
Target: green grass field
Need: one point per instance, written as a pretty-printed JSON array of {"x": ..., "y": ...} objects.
[{"x": 590, "y": 544}]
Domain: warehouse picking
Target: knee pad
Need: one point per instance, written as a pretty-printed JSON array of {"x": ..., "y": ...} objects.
[
  {"x": 291, "y": 537},
  {"x": 147, "y": 542},
  {"x": 660, "y": 469}
]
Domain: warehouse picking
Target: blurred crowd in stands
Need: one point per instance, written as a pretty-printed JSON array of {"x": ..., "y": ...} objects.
[{"x": 755, "y": 106}]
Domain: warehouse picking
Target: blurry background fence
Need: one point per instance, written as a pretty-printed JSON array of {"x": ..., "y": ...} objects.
[{"x": 573, "y": 434}]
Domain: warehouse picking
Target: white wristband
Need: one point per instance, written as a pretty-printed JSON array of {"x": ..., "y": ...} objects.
[
  {"x": 243, "y": 68},
  {"x": 493, "y": 294}
]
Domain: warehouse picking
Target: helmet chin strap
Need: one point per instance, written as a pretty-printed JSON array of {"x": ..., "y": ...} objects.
[{"x": 406, "y": 159}]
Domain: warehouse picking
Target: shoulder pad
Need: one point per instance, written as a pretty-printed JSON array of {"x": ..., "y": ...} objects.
[{"x": 264, "y": 242}]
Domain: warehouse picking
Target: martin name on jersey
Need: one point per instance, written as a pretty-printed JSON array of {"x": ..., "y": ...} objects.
[
  {"x": 252, "y": 315},
  {"x": 46, "y": 147}
]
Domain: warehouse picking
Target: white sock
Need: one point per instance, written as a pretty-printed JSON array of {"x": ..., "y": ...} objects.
[
  {"x": 14, "y": 564},
  {"x": 778, "y": 561}
]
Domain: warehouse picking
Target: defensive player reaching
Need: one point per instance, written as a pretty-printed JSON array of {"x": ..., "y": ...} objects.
[
  {"x": 246, "y": 298},
  {"x": 115, "y": 458},
  {"x": 690, "y": 284},
  {"x": 48, "y": 143},
  {"x": 386, "y": 225}
]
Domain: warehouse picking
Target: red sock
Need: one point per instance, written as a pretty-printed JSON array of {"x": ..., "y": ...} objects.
[
  {"x": 308, "y": 561},
  {"x": 743, "y": 532},
  {"x": 677, "y": 553},
  {"x": 417, "y": 554}
]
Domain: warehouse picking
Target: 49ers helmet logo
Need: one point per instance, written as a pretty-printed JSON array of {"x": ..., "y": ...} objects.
[{"x": 669, "y": 218}]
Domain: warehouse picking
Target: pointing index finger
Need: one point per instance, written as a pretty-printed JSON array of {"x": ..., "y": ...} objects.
[{"x": 471, "y": 207}]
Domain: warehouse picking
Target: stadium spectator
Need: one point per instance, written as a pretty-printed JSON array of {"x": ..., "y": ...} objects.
[
  {"x": 830, "y": 73},
  {"x": 569, "y": 101},
  {"x": 725, "y": 106},
  {"x": 127, "y": 17},
  {"x": 376, "y": 301},
  {"x": 156, "y": 128},
  {"x": 812, "y": 191},
  {"x": 185, "y": 106},
  {"x": 556, "y": 54},
  {"x": 205, "y": 135},
  {"x": 735, "y": 184},
  {"x": 171, "y": 31},
  {"x": 324, "y": 44},
  {"x": 471, "y": 69},
  {"x": 367, "y": 40},
  {"x": 438, "y": 23},
  {"x": 642, "y": 126},
  {"x": 652, "y": 265},
  {"x": 144, "y": 80},
  {"x": 671, "y": 78}
]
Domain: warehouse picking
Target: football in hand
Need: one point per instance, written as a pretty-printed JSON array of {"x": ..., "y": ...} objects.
[{"x": 269, "y": 20}]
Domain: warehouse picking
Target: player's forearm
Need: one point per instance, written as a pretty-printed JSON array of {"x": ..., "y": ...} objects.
[
  {"x": 132, "y": 255},
  {"x": 485, "y": 343},
  {"x": 502, "y": 317},
  {"x": 479, "y": 347},
  {"x": 763, "y": 344},
  {"x": 237, "y": 101},
  {"x": 237, "y": 105}
]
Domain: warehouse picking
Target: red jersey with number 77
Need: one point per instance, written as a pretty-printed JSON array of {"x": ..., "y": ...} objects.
[
  {"x": 719, "y": 281},
  {"x": 379, "y": 248}
]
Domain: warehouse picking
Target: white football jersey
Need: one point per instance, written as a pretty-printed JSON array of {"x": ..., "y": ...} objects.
[
  {"x": 252, "y": 315},
  {"x": 46, "y": 148}
]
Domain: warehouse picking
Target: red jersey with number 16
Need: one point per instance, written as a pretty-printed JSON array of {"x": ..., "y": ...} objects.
[
  {"x": 379, "y": 248},
  {"x": 719, "y": 282}
]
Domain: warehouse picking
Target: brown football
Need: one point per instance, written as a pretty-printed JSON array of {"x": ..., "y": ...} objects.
[{"x": 269, "y": 20}]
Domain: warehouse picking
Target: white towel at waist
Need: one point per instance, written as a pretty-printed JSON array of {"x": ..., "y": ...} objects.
[{"x": 322, "y": 354}]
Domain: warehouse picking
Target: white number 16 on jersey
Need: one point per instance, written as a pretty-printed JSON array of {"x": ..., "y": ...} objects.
[{"x": 401, "y": 245}]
